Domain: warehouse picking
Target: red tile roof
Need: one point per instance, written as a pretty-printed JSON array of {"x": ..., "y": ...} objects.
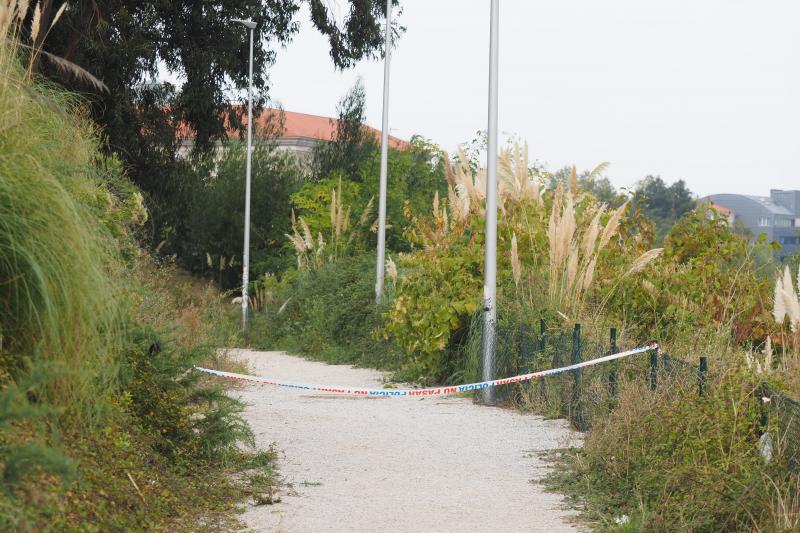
[
  {"x": 726, "y": 211},
  {"x": 304, "y": 126}
]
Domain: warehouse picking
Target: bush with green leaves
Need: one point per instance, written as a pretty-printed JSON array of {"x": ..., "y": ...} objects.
[
  {"x": 437, "y": 294},
  {"x": 328, "y": 313},
  {"x": 207, "y": 233},
  {"x": 414, "y": 174},
  {"x": 709, "y": 282}
]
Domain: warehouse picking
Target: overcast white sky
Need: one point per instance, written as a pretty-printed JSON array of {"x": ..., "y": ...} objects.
[{"x": 703, "y": 90}]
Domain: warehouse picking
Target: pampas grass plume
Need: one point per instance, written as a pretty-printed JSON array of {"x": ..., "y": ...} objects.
[
  {"x": 643, "y": 260},
  {"x": 612, "y": 225},
  {"x": 36, "y": 23}
]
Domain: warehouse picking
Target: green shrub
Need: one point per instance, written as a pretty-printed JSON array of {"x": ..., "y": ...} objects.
[
  {"x": 415, "y": 174},
  {"x": 328, "y": 313},
  {"x": 190, "y": 422},
  {"x": 58, "y": 260},
  {"x": 435, "y": 298},
  {"x": 708, "y": 278},
  {"x": 20, "y": 405},
  {"x": 675, "y": 461},
  {"x": 312, "y": 202},
  {"x": 206, "y": 227},
  {"x": 92, "y": 396}
]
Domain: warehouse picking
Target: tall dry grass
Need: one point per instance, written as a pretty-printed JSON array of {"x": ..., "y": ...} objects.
[
  {"x": 576, "y": 240},
  {"x": 467, "y": 187},
  {"x": 313, "y": 252},
  {"x": 58, "y": 262},
  {"x": 575, "y": 246},
  {"x": 13, "y": 14},
  {"x": 786, "y": 308}
]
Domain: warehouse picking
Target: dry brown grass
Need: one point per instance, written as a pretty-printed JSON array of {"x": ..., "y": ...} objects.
[
  {"x": 575, "y": 252},
  {"x": 467, "y": 187}
]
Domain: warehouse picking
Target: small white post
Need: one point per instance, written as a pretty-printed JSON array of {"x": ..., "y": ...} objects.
[{"x": 246, "y": 254}]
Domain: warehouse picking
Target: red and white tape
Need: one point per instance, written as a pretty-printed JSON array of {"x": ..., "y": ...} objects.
[{"x": 433, "y": 391}]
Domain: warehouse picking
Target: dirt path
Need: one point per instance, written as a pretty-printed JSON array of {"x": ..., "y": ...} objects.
[{"x": 370, "y": 464}]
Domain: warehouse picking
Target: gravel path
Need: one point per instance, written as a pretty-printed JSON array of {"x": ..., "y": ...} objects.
[{"x": 369, "y": 464}]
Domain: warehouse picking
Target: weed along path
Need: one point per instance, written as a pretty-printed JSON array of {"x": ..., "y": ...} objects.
[{"x": 402, "y": 464}]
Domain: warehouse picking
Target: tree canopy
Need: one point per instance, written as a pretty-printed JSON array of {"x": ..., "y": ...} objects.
[
  {"x": 663, "y": 204},
  {"x": 591, "y": 181},
  {"x": 129, "y": 43},
  {"x": 353, "y": 142}
]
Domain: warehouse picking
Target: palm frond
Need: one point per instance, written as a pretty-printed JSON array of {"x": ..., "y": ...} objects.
[{"x": 79, "y": 73}]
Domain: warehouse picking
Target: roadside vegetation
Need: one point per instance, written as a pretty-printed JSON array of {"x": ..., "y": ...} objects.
[{"x": 103, "y": 424}]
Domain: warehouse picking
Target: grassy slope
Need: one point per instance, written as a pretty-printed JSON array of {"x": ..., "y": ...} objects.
[{"x": 101, "y": 427}]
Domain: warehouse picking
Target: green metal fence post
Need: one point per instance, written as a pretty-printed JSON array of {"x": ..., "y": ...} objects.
[
  {"x": 613, "y": 340},
  {"x": 543, "y": 386},
  {"x": 653, "y": 369},
  {"x": 612, "y": 376},
  {"x": 576, "y": 353},
  {"x": 702, "y": 374},
  {"x": 576, "y": 410}
]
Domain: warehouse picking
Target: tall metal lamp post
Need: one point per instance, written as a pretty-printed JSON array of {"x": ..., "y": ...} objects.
[
  {"x": 246, "y": 254},
  {"x": 490, "y": 265},
  {"x": 380, "y": 266}
]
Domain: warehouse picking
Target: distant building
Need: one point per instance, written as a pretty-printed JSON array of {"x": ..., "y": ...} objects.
[
  {"x": 301, "y": 133},
  {"x": 777, "y": 216},
  {"x": 724, "y": 212}
]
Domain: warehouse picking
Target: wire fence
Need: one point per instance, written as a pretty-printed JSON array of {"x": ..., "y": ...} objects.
[
  {"x": 781, "y": 414},
  {"x": 583, "y": 394}
]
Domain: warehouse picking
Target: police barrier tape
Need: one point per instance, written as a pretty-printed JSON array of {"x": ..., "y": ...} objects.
[{"x": 434, "y": 391}]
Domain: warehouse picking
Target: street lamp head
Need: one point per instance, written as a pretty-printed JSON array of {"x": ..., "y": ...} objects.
[{"x": 249, "y": 23}]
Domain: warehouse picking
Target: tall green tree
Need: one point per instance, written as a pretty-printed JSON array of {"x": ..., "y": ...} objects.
[
  {"x": 129, "y": 43},
  {"x": 663, "y": 204},
  {"x": 591, "y": 181},
  {"x": 353, "y": 142}
]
